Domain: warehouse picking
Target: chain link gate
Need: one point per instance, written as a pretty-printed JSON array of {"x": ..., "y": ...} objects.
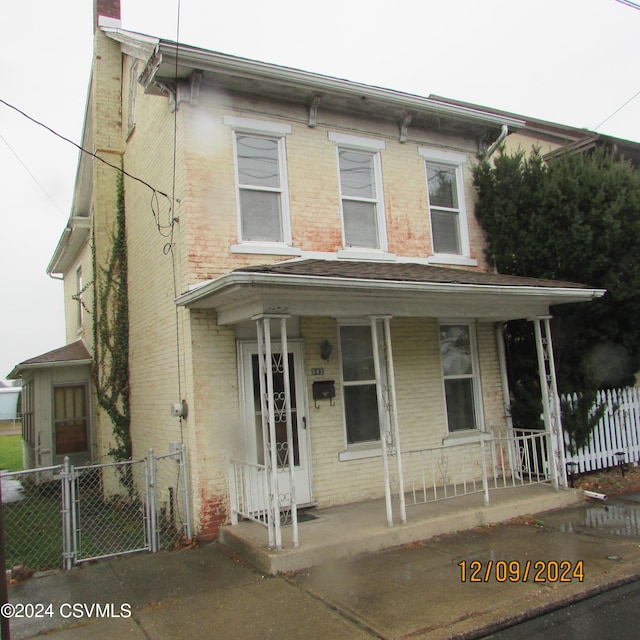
[{"x": 105, "y": 510}]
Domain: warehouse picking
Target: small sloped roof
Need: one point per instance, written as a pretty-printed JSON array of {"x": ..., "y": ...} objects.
[
  {"x": 402, "y": 272},
  {"x": 350, "y": 288},
  {"x": 75, "y": 353}
]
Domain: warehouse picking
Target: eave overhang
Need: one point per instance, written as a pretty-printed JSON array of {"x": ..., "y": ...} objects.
[
  {"x": 240, "y": 295},
  {"x": 73, "y": 238},
  {"x": 71, "y": 355},
  {"x": 168, "y": 64}
]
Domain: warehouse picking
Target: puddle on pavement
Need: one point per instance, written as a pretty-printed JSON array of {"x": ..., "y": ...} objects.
[{"x": 618, "y": 517}]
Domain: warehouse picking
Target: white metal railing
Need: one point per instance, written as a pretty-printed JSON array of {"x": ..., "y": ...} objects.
[
  {"x": 438, "y": 473},
  {"x": 248, "y": 491},
  {"x": 519, "y": 457},
  {"x": 496, "y": 461}
]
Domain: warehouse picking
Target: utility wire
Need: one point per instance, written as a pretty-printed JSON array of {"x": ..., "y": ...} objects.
[
  {"x": 26, "y": 168},
  {"x": 173, "y": 219},
  {"x": 633, "y": 5},
  {"x": 619, "y": 108},
  {"x": 89, "y": 153}
]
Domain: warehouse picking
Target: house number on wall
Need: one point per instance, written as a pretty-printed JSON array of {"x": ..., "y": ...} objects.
[{"x": 317, "y": 372}]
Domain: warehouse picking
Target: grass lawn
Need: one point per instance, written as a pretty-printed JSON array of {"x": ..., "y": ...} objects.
[
  {"x": 33, "y": 528},
  {"x": 11, "y": 453}
]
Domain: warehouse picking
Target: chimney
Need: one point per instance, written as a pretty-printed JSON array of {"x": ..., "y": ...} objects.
[{"x": 106, "y": 8}]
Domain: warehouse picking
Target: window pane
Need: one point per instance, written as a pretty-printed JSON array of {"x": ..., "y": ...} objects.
[
  {"x": 361, "y": 413},
  {"x": 446, "y": 236},
  {"x": 258, "y": 162},
  {"x": 460, "y": 410},
  {"x": 260, "y": 212},
  {"x": 357, "y": 353},
  {"x": 356, "y": 174},
  {"x": 360, "y": 224},
  {"x": 442, "y": 186},
  {"x": 70, "y": 412},
  {"x": 455, "y": 350}
]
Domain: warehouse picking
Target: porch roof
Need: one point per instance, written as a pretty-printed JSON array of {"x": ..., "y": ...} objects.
[
  {"x": 349, "y": 288},
  {"x": 75, "y": 353}
]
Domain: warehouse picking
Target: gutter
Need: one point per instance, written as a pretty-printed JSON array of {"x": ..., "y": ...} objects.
[
  {"x": 217, "y": 285},
  {"x": 491, "y": 150},
  {"x": 59, "y": 250}
]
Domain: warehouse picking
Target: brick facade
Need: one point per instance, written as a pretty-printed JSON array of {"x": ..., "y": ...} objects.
[{"x": 178, "y": 353}]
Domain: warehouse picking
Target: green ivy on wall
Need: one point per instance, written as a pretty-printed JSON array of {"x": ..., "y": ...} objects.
[{"x": 111, "y": 332}]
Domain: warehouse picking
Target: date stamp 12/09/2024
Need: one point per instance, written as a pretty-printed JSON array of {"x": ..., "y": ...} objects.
[{"x": 517, "y": 571}]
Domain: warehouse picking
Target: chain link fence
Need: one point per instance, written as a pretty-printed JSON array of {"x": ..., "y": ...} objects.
[{"x": 65, "y": 515}]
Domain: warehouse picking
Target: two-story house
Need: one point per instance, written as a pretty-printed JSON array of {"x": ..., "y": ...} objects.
[{"x": 308, "y": 300}]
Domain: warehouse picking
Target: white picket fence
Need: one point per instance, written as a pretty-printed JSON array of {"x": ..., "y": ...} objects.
[{"x": 618, "y": 431}]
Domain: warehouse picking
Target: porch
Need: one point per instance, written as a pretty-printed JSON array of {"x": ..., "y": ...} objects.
[{"x": 345, "y": 531}]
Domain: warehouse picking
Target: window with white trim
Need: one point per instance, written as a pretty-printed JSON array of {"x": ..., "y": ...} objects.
[
  {"x": 459, "y": 358},
  {"x": 133, "y": 90},
  {"x": 363, "y": 221},
  {"x": 447, "y": 211},
  {"x": 262, "y": 194},
  {"x": 359, "y": 385}
]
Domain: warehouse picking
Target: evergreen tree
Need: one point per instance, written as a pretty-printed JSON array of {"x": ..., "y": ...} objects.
[{"x": 575, "y": 218}]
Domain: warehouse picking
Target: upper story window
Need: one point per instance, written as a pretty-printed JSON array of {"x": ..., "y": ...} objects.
[
  {"x": 447, "y": 211},
  {"x": 261, "y": 180},
  {"x": 363, "y": 220},
  {"x": 459, "y": 358},
  {"x": 133, "y": 90}
]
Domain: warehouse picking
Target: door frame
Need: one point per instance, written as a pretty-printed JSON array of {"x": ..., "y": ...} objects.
[{"x": 245, "y": 350}]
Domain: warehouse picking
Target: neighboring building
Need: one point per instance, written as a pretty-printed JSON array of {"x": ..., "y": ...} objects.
[
  {"x": 331, "y": 217},
  {"x": 56, "y": 406},
  {"x": 9, "y": 403}
]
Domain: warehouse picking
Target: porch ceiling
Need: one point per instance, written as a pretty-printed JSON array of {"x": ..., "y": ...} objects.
[{"x": 342, "y": 289}]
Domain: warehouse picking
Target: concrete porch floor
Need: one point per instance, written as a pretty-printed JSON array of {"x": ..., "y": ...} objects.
[{"x": 345, "y": 531}]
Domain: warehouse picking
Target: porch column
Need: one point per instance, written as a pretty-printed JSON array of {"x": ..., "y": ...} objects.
[
  {"x": 267, "y": 405},
  {"x": 290, "y": 445},
  {"x": 550, "y": 400},
  {"x": 382, "y": 421},
  {"x": 393, "y": 411}
]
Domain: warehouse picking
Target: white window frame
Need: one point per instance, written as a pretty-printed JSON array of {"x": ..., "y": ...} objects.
[
  {"x": 456, "y": 161},
  {"x": 276, "y": 131},
  {"x": 133, "y": 94},
  {"x": 365, "y": 448},
  {"x": 374, "y": 147},
  {"x": 475, "y": 377}
]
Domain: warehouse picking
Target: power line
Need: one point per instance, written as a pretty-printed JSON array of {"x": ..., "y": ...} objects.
[
  {"x": 26, "y": 168},
  {"x": 83, "y": 150},
  {"x": 633, "y": 97},
  {"x": 633, "y": 5}
]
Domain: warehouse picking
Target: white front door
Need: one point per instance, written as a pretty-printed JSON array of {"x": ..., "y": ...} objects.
[{"x": 253, "y": 417}]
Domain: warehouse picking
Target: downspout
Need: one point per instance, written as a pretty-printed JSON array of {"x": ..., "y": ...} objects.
[{"x": 491, "y": 150}]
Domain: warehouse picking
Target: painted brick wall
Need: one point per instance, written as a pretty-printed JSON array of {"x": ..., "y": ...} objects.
[
  {"x": 420, "y": 399},
  {"x": 186, "y": 354},
  {"x": 210, "y": 196}
]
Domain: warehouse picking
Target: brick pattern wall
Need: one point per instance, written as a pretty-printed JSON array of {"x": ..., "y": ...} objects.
[
  {"x": 203, "y": 370},
  {"x": 420, "y": 400}
]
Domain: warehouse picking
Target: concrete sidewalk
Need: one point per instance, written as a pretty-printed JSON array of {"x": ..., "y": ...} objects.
[{"x": 412, "y": 591}]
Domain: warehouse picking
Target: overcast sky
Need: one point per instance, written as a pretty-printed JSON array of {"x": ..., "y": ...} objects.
[{"x": 573, "y": 62}]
